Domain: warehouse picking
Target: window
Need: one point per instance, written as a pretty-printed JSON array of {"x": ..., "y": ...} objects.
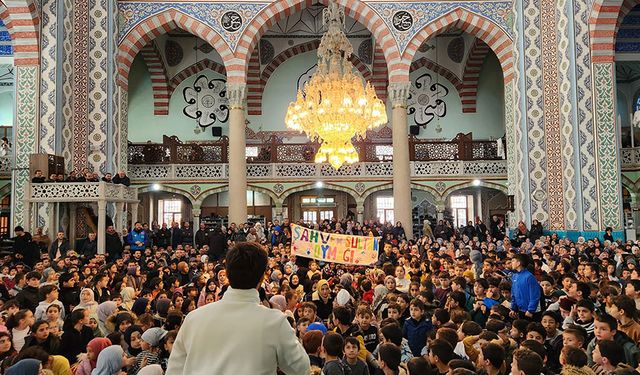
[
  {"x": 171, "y": 211},
  {"x": 326, "y": 215},
  {"x": 317, "y": 200},
  {"x": 462, "y": 207},
  {"x": 251, "y": 152},
  {"x": 310, "y": 217},
  {"x": 384, "y": 152},
  {"x": 384, "y": 209}
]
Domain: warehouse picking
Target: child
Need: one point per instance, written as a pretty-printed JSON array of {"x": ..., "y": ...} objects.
[
  {"x": 364, "y": 315},
  {"x": 312, "y": 341},
  {"x": 332, "y": 344},
  {"x": 351, "y": 349},
  {"x": 606, "y": 329},
  {"x": 20, "y": 324},
  {"x": 582, "y": 315},
  {"x": 574, "y": 336},
  {"x": 393, "y": 312},
  {"x": 389, "y": 359},
  {"x": 49, "y": 295},
  {"x": 301, "y": 327},
  {"x": 151, "y": 343},
  {"x": 53, "y": 318},
  {"x": 624, "y": 310},
  {"x": 606, "y": 357},
  {"x": 416, "y": 328}
]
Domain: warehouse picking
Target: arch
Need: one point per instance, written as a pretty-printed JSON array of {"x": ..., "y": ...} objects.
[
  {"x": 5, "y": 190},
  {"x": 472, "y": 68},
  {"x": 602, "y": 29},
  {"x": 389, "y": 185},
  {"x": 159, "y": 80},
  {"x": 167, "y": 189},
  {"x": 254, "y": 86},
  {"x": 159, "y": 24},
  {"x": 286, "y": 55},
  {"x": 207, "y": 193},
  {"x": 470, "y": 184},
  {"x": 474, "y": 24},
  {"x": 193, "y": 69},
  {"x": 22, "y": 22},
  {"x": 441, "y": 70},
  {"x": 626, "y": 7},
  {"x": 379, "y": 74},
  {"x": 280, "y": 9},
  {"x": 312, "y": 186}
]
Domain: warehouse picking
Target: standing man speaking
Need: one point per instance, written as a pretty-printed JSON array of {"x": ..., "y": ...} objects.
[{"x": 237, "y": 335}]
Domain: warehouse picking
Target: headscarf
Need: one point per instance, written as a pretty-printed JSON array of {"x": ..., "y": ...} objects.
[
  {"x": 128, "y": 294},
  {"x": 97, "y": 345},
  {"x": 343, "y": 297},
  {"x": 109, "y": 361},
  {"x": 127, "y": 339},
  {"x": 60, "y": 365},
  {"x": 105, "y": 310},
  {"x": 154, "y": 335},
  {"x": 27, "y": 366},
  {"x": 151, "y": 370},
  {"x": 316, "y": 295},
  {"x": 279, "y": 301},
  {"x": 140, "y": 306},
  {"x": 92, "y": 305}
]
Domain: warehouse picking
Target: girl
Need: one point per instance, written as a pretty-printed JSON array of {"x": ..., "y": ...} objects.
[
  {"x": 76, "y": 334},
  {"x": 132, "y": 339},
  {"x": 128, "y": 296},
  {"x": 7, "y": 352},
  {"x": 20, "y": 324},
  {"x": 40, "y": 336},
  {"x": 110, "y": 361},
  {"x": 104, "y": 311},
  {"x": 152, "y": 343},
  {"x": 87, "y": 302},
  {"x": 89, "y": 361}
]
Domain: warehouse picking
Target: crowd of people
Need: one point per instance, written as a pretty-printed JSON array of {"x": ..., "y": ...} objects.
[
  {"x": 477, "y": 299},
  {"x": 85, "y": 175}
]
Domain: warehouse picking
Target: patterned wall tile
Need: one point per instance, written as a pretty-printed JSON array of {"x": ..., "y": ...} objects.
[
  {"x": 424, "y": 13},
  {"x": 67, "y": 87},
  {"x": 48, "y": 58},
  {"x": 132, "y": 13},
  {"x": 123, "y": 148},
  {"x": 80, "y": 84}
]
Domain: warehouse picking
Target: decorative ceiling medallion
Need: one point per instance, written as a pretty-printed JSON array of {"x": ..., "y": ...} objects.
[
  {"x": 426, "y": 100},
  {"x": 207, "y": 101},
  {"x": 173, "y": 52},
  {"x": 231, "y": 21},
  {"x": 365, "y": 51},
  {"x": 455, "y": 49},
  {"x": 402, "y": 20},
  {"x": 267, "y": 52}
]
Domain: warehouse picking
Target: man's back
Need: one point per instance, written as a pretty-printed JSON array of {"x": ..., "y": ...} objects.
[{"x": 237, "y": 336}]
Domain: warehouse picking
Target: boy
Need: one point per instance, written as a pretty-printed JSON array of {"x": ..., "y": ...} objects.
[
  {"x": 606, "y": 328},
  {"x": 491, "y": 358},
  {"x": 624, "y": 310},
  {"x": 351, "y": 349},
  {"x": 606, "y": 357},
  {"x": 369, "y": 332},
  {"x": 574, "y": 336},
  {"x": 332, "y": 344},
  {"x": 342, "y": 319},
  {"x": 389, "y": 359},
  {"x": 28, "y": 296},
  {"x": 301, "y": 327},
  {"x": 416, "y": 328},
  {"x": 393, "y": 312},
  {"x": 442, "y": 292},
  {"x": 526, "y": 362},
  {"x": 309, "y": 310},
  {"x": 553, "y": 340},
  {"x": 49, "y": 295},
  {"x": 633, "y": 290},
  {"x": 312, "y": 342},
  {"x": 582, "y": 316},
  {"x": 440, "y": 353}
]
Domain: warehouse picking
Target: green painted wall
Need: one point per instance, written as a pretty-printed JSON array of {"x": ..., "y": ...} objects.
[
  {"x": 281, "y": 90},
  {"x": 7, "y": 102}
]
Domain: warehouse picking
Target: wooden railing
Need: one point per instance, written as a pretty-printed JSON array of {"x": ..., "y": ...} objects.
[{"x": 174, "y": 151}]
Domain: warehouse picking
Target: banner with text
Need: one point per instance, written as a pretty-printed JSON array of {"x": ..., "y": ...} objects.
[{"x": 332, "y": 247}]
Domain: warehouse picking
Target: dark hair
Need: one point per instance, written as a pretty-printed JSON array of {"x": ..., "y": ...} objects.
[
  {"x": 493, "y": 353},
  {"x": 391, "y": 355},
  {"x": 353, "y": 341},
  {"x": 575, "y": 356},
  {"x": 418, "y": 366},
  {"x": 585, "y": 304},
  {"x": 608, "y": 320},
  {"x": 115, "y": 337},
  {"x": 471, "y": 328},
  {"x": 612, "y": 351},
  {"x": 528, "y": 361},
  {"x": 583, "y": 288},
  {"x": 635, "y": 284},
  {"x": 342, "y": 315},
  {"x": 495, "y": 325},
  {"x": 483, "y": 283},
  {"x": 536, "y": 347},
  {"x": 33, "y": 275},
  {"x": 45, "y": 290},
  {"x": 460, "y": 281},
  {"x": 461, "y": 365},
  {"x": 441, "y": 349},
  {"x": 35, "y": 352},
  {"x": 520, "y": 325},
  {"x": 417, "y": 303},
  {"x": 523, "y": 259},
  {"x": 246, "y": 264},
  {"x": 393, "y": 333},
  {"x": 333, "y": 344},
  {"x": 311, "y": 341},
  {"x": 73, "y": 319},
  {"x": 537, "y": 327},
  {"x": 579, "y": 332},
  {"x": 14, "y": 320},
  {"x": 627, "y": 304},
  {"x": 459, "y": 297},
  {"x": 442, "y": 315}
]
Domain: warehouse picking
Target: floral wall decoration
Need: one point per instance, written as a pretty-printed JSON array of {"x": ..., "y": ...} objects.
[
  {"x": 207, "y": 101},
  {"x": 426, "y": 100}
]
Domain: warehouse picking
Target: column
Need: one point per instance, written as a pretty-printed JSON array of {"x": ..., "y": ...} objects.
[
  {"x": 278, "y": 212},
  {"x": 398, "y": 92},
  {"x": 360, "y": 212},
  {"x": 72, "y": 224},
  {"x": 120, "y": 218},
  {"x": 195, "y": 214},
  {"x": 134, "y": 214},
  {"x": 440, "y": 208},
  {"x": 236, "y": 93},
  {"x": 479, "y": 207},
  {"x": 102, "y": 221}
]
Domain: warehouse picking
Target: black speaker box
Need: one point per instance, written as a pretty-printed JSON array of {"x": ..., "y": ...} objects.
[{"x": 216, "y": 131}]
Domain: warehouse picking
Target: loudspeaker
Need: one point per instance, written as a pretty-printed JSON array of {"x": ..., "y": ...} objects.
[
  {"x": 414, "y": 130},
  {"x": 216, "y": 131}
]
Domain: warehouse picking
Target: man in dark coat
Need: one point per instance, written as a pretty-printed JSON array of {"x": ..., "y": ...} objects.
[
  {"x": 59, "y": 246},
  {"x": 28, "y": 297},
  {"x": 217, "y": 244},
  {"x": 163, "y": 236},
  {"x": 176, "y": 236},
  {"x": 202, "y": 236},
  {"x": 113, "y": 244},
  {"x": 121, "y": 178},
  {"x": 187, "y": 234},
  {"x": 25, "y": 249},
  {"x": 90, "y": 247}
]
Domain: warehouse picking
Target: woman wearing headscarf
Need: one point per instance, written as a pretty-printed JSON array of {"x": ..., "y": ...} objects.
[
  {"x": 323, "y": 299},
  {"x": 132, "y": 339},
  {"x": 128, "y": 295},
  {"x": 104, "y": 311},
  {"x": 140, "y": 306},
  {"x": 210, "y": 287},
  {"x": 87, "y": 302},
  {"x": 279, "y": 302},
  {"x": 89, "y": 361},
  {"x": 109, "y": 361},
  {"x": 27, "y": 366}
]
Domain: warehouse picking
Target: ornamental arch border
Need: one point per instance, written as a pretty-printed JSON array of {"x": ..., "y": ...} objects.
[
  {"x": 23, "y": 25},
  {"x": 279, "y": 9},
  {"x": 167, "y": 189},
  {"x": 287, "y": 193},
  {"x": 161, "y": 23},
  {"x": 469, "y": 184},
  {"x": 209, "y": 192},
  {"x": 603, "y": 24},
  {"x": 433, "y": 192}
]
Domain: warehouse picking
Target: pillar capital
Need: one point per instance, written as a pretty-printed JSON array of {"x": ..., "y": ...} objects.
[
  {"x": 196, "y": 211},
  {"x": 398, "y": 93},
  {"x": 237, "y": 95}
]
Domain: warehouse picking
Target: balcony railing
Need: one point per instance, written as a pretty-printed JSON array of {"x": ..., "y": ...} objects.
[{"x": 274, "y": 151}]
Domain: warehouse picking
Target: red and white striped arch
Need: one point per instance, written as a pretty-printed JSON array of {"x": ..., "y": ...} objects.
[
  {"x": 159, "y": 80},
  {"x": 280, "y": 9},
  {"x": 440, "y": 70},
  {"x": 625, "y": 8},
  {"x": 474, "y": 24},
  {"x": 603, "y": 26},
  {"x": 22, "y": 21},
  {"x": 286, "y": 55},
  {"x": 159, "y": 24},
  {"x": 471, "y": 75},
  {"x": 194, "y": 69},
  {"x": 379, "y": 74}
]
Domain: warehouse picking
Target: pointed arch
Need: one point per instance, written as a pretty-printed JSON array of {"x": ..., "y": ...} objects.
[
  {"x": 626, "y": 7},
  {"x": 161, "y": 23},
  {"x": 471, "y": 75},
  {"x": 312, "y": 186},
  {"x": 440, "y": 70},
  {"x": 380, "y": 74},
  {"x": 291, "y": 52},
  {"x": 159, "y": 80},
  {"x": 254, "y": 86},
  {"x": 22, "y": 21},
  {"x": 194, "y": 69},
  {"x": 602, "y": 29},
  {"x": 470, "y": 184},
  {"x": 280, "y": 9},
  {"x": 474, "y": 24}
]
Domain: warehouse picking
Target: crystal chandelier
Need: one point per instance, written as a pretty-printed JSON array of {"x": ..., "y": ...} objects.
[{"x": 334, "y": 105}]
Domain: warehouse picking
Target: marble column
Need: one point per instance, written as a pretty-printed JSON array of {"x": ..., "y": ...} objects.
[
  {"x": 360, "y": 212},
  {"x": 279, "y": 212},
  {"x": 236, "y": 93},
  {"x": 195, "y": 215},
  {"x": 398, "y": 93},
  {"x": 102, "y": 215}
]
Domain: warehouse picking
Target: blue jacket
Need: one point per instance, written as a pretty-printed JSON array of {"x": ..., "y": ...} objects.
[
  {"x": 134, "y": 237},
  {"x": 525, "y": 292},
  {"x": 416, "y": 334}
]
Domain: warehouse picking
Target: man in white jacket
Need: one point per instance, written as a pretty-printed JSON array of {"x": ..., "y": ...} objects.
[{"x": 237, "y": 335}]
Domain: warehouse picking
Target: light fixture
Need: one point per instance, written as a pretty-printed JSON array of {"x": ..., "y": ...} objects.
[
  {"x": 319, "y": 185},
  {"x": 477, "y": 182},
  {"x": 156, "y": 187},
  {"x": 334, "y": 105}
]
